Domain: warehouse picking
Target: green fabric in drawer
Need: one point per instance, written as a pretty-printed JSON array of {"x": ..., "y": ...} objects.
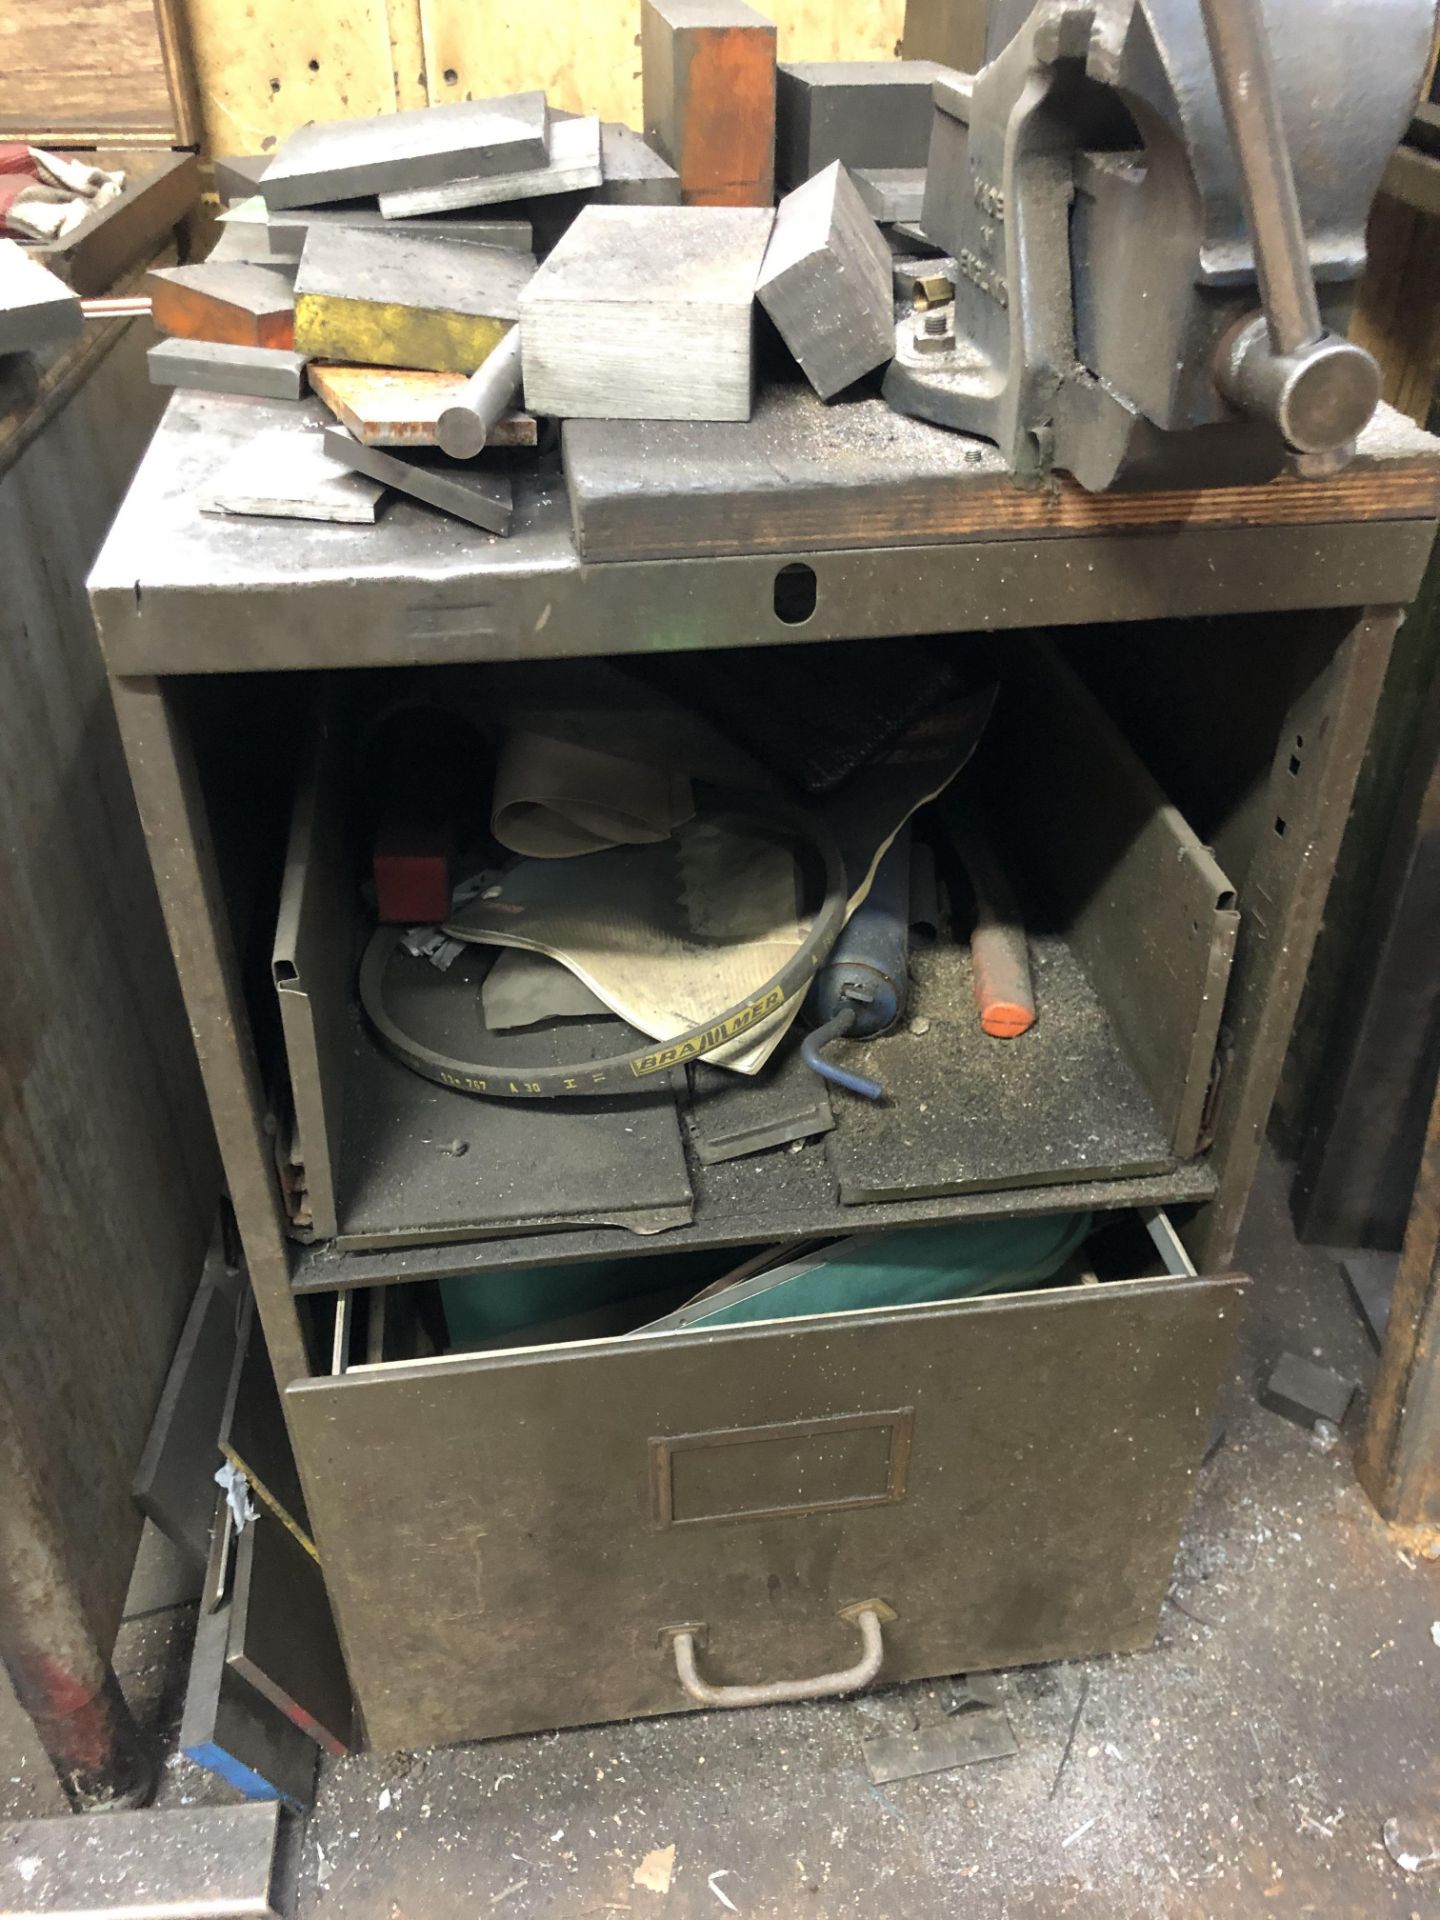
[{"x": 905, "y": 1269}]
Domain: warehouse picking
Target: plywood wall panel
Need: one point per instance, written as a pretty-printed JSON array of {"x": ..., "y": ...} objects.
[
  {"x": 265, "y": 67},
  {"x": 269, "y": 65},
  {"x": 586, "y": 57},
  {"x": 838, "y": 29},
  {"x": 1397, "y": 311},
  {"x": 83, "y": 66},
  {"x": 407, "y": 53},
  {"x": 108, "y": 1177}
]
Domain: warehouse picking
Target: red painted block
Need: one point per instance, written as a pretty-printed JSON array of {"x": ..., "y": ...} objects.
[{"x": 413, "y": 869}]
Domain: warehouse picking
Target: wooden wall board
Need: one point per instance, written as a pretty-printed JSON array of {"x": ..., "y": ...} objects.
[
  {"x": 837, "y": 29},
  {"x": 950, "y": 31},
  {"x": 1348, "y": 932},
  {"x": 1397, "y": 313},
  {"x": 407, "y": 53},
  {"x": 270, "y": 66},
  {"x": 1361, "y": 1150},
  {"x": 107, "y": 1176},
  {"x": 172, "y": 24},
  {"x": 587, "y": 58},
  {"x": 78, "y": 68},
  {"x": 1398, "y": 1460}
]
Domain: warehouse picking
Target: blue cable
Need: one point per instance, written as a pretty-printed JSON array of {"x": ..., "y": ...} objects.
[{"x": 810, "y": 1053}]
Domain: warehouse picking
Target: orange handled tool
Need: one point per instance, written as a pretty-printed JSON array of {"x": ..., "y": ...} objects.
[{"x": 999, "y": 951}]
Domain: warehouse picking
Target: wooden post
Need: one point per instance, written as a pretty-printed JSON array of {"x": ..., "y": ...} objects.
[
  {"x": 108, "y": 1177},
  {"x": 1399, "y": 1459},
  {"x": 48, "y": 1645}
]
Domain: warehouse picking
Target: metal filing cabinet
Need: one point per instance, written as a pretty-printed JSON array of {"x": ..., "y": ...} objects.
[{"x": 513, "y": 1539}]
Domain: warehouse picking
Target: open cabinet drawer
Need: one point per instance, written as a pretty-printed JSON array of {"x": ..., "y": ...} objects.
[{"x": 508, "y": 1535}]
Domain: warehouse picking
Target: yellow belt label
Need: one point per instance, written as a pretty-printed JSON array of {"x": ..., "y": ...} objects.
[{"x": 712, "y": 1037}]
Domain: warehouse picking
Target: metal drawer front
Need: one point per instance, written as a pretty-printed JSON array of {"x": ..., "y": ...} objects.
[{"x": 507, "y": 1536}]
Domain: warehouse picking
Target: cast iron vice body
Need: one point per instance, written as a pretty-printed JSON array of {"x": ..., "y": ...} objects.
[{"x": 1156, "y": 211}]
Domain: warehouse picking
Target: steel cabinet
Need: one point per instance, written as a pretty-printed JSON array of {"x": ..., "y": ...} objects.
[{"x": 508, "y": 1536}]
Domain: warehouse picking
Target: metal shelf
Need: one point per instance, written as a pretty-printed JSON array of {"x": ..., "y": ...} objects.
[
  {"x": 966, "y": 1119},
  {"x": 761, "y": 1201}
]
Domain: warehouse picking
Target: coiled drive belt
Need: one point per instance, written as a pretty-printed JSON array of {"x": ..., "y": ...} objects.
[{"x": 632, "y": 1072}]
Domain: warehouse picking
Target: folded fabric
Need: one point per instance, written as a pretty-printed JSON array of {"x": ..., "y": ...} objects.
[
  {"x": 556, "y": 798},
  {"x": 77, "y": 176},
  {"x": 45, "y": 196}
]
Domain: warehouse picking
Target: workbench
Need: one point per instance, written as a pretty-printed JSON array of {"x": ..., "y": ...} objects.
[{"x": 507, "y": 1536}]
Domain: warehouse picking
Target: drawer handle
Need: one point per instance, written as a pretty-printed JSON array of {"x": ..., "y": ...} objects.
[{"x": 868, "y": 1616}]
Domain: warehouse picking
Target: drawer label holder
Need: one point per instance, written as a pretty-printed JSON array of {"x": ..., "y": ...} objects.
[{"x": 774, "y": 1472}]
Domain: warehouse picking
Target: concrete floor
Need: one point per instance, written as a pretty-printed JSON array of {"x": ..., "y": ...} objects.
[{"x": 1246, "y": 1766}]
